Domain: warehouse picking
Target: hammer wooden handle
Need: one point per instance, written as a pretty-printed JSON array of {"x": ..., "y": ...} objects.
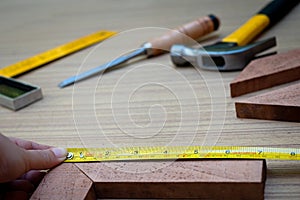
[{"x": 182, "y": 35}]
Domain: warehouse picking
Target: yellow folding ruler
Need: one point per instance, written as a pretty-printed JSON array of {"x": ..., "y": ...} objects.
[
  {"x": 55, "y": 53},
  {"x": 180, "y": 152}
]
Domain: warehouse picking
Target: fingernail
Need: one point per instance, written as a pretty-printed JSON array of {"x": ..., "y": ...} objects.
[{"x": 60, "y": 152}]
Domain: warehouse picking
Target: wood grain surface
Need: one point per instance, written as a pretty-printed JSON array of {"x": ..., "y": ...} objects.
[
  {"x": 149, "y": 102},
  {"x": 267, "y": 72},
  {"x": 65, "y": 182},
  {"x": 233, "y": 179},
  {"x": 282, "y": 104}
]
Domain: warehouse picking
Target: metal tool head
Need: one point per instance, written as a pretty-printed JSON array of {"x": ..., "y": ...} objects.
[{"x": 221, "y": 56}]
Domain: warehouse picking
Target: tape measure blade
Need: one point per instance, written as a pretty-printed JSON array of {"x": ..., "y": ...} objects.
[
  {"x": 55, "y": 53},
  {"x": 182, "y": 152}
]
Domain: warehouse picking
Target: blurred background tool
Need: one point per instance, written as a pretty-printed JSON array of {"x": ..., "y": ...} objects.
[
  {"x": 157, "y": 46},
  {"x": 233, "y": 53},
  {"x": 16, "y": 94},
  {"x": 55, "y": 53}
]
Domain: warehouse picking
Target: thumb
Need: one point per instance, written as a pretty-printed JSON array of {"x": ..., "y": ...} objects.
[{"x": 45, "y": 159}]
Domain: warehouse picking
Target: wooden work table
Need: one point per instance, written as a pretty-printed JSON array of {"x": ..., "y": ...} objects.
[{"x": 148, "y": 102}]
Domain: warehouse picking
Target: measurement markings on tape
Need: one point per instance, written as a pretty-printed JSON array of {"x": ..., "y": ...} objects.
[
  {"x": 180, "y": 152},
  {"x": 55, "y": 53}
]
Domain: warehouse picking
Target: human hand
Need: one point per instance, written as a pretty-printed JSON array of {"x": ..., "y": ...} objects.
[{"x": 20, "y": 161}]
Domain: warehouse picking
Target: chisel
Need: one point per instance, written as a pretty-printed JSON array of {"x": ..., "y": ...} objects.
[{"x": 157, "y": 46}]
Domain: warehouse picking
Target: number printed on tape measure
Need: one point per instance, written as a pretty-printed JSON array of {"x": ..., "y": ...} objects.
[{"x": 180, "y": 152}]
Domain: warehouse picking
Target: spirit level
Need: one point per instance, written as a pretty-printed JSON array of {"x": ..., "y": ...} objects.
[{"x": 16, "y": 94}]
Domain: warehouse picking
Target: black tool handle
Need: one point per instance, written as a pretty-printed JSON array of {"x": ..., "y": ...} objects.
[
  {"x": 268, "y": 16},
  {"x": 277, "y": 9}
]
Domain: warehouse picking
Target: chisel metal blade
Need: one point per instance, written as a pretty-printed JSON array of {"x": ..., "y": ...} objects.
[{"x": 102, "y": 68}]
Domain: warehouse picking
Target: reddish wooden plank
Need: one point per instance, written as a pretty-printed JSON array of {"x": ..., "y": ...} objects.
[
  {"x": 267, "y": 72},
  {"x": 282, "y": 104},
  {"x": 65, "y": 182},
  {"x": 202, "y": 179}
]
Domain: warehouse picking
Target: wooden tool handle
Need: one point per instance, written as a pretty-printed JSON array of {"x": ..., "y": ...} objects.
[{"x": 182, "y": 35}]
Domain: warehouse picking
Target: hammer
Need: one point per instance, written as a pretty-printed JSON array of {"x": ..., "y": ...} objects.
[{"x": 234, "y": 51}]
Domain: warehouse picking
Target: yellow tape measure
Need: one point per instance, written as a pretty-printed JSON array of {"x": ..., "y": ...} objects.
[
  {"x": 180, "y": 152},
  {"x": 55, "y": 53}
]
